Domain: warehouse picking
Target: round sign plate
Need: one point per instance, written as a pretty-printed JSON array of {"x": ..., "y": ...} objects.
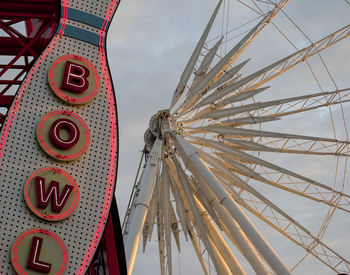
[
  {"x": 46, "y": 141},
  {"x": 38, "y": 251},
  {"x": 51, "y": 194},
  {"x": 74, "y": 79}
]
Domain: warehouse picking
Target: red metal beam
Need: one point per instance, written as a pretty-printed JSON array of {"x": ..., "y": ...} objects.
[
  {"x": 27, "y": 9},
  {"x": 6, "y": 100},
  {"x": 20, "y": 44},
  {"x": 9, "y": 46},
  {"x": 110, "y": 258},
  {"x": 110, "y": 249}
]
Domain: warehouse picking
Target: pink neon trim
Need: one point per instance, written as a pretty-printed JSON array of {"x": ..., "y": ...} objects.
[
  {"x": 42, "y": 231},
  {"x": 61, "y": 215},
  {"x": 64, "y": 18}
]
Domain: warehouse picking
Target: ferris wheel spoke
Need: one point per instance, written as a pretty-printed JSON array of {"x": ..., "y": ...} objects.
[
  {"x": 158, "y": 197},
  {"x": 207, "y": 60},
  {"x": 222, "y": 166},
  {"x": 170, "y": 213},
  {"x": 217, "y": 239},
  {"x": 267, "y": 211},
  {"x": 328, "y": 99},
  {"x": 277, "y": 108},
  {"x": 236, "y": 235},
  {"x": 150, "y": 218},
  {"x": 307, "y": 188},
  {"x": 182, "y": 205},
  {"x": 259, "y": 6},
  {"x": 227, "y": 82},
  {"x": 293, "y": 146},
  {"x": 219, "y": 69},
  {"x": 287, "y": 180},
  {"x": 280, "y": 221},
  {"x": 235, "y": 122},
  {"x": 240, "y": 121},
  {"x": 287, "y": 145},
  {"x": 175, "y": 228},
  {"x": 234, "y": 166},
  {"x": 239, "y": 97},
  {"x": 205, "y": 83},
  {"x": 161, "y": 240},
  {"x": 200, "y": 195},
  {"x": 193, "y": 60},
  {"x": 266, "y": 141},
  {"x": 229, "y": 167},
  {"x": 189, "y": 198},
  {"x": 197, "y": 250},
  {"x": 229, "y": 76},
  {"x": 227, "y": 85},
  {"x": 283, "y": 223},
  {"x": 165, "y": 204},
  {"x": 225, "y": 131},
  {"x": 219, "y": 248},
  {"x": 192, "y": 161},
  {"x": 180, "y": 208},
  {"x": 266, "y": 74}
]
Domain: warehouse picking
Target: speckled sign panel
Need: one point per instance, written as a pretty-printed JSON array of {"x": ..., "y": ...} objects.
[{"x": 82, "y": 33}]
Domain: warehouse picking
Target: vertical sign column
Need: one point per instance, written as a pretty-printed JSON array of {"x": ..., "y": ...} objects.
[{"x": 51, "y": 193}]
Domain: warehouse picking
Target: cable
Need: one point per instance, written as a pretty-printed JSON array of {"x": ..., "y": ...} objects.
[{"x": 132, "y": 192}]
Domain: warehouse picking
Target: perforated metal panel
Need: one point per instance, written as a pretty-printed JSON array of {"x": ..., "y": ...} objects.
[
  {"x": 98, "y": 8},
  {"x": 94, "y": 172}
]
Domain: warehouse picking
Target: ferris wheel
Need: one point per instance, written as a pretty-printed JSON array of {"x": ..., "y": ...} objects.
[{"x": 241, "y": 161}]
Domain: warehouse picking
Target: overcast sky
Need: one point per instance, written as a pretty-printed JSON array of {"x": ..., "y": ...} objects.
[{"x": 149, "y": 43}]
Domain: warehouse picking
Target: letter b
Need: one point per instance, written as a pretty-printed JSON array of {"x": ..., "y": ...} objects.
[{"x": 75, "y": 78}]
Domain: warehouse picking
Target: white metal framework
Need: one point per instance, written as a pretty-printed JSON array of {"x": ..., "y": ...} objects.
[{"x": 209, "y": 153}]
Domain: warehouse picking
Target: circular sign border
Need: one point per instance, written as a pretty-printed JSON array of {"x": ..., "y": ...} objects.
[
  {"x": 57, "y": 91},
  {"x": 48, "y": 150},
  {"x": 24, "y": 234},
  {"x": 60, "y": 216}
]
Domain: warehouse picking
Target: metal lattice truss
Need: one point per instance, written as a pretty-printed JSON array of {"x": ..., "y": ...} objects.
[
  {"x": 206, "y": 152},
  {"x": 26, "y": 28}
]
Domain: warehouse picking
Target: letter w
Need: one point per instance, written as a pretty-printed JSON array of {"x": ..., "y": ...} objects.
[{"x": 57, "y": 201}]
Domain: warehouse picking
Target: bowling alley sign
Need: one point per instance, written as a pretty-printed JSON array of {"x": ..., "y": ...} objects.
[{"x": 51, "y": 193}]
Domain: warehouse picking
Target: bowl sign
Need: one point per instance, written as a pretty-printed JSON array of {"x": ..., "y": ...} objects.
[{"x": 49, "y": 192}]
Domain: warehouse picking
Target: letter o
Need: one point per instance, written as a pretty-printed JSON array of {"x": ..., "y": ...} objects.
[
  {"x": 60, "y": 146},
  {"x": 73, "y": 130}
]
